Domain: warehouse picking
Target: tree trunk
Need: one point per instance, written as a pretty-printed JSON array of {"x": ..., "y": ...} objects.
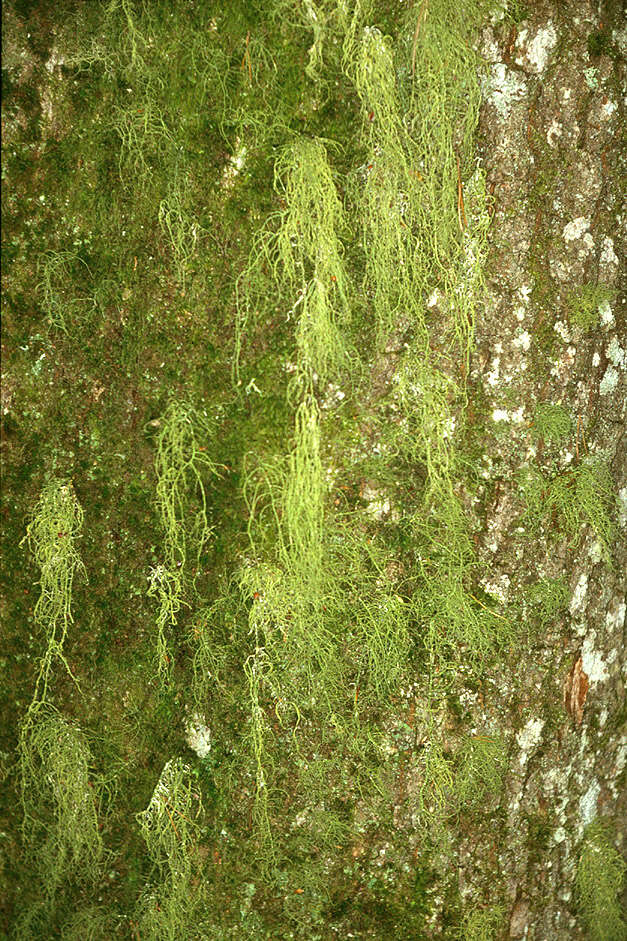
[
  {"x": 551, "y": 127},
  {"x": 403, "y": 855}
]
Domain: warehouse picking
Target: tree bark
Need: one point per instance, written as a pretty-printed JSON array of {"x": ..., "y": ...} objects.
[{"x": 550, "y": 132}]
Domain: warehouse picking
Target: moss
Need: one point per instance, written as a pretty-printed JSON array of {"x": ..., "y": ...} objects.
[
  {"x": 305, "y": 257},
  {"x": 170, "y": 827},
  {"x": 583, "y": 305},
  {"x": 89, "y": 924},
  {"x": 552, "y": 422},
  {"x": 292, "y": 620},
  {"x": 180, "y": 459},
  {"x": 582, "y": 495},
  {"x": 548, "y": 598},
  {"x": 600, "y": 876},
  {"x": 483, "y": 924},
  {"x": 55, "y": 526},
  {"x": 481, "y": 767},
  {"x": 60, "y": 826},
  {"x": 599, "y": 43}
]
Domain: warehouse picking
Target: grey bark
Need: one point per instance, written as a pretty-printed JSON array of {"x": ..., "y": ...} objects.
[{"x": 551, "y": 131}]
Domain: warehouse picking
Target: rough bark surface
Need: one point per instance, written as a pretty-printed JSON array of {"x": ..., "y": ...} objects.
[
  {"x": 550, "y": 143},
  {"x": 550, "y": 130}
]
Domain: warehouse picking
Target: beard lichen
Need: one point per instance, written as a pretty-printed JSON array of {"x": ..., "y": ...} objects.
[
  {"x": 320, "y": 615},
  {"x": 179, "y": 461}
]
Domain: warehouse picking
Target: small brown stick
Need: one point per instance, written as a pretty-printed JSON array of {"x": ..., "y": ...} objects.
[
  {"x": 489, "y": 610},
  {"x": 421, "y": 16},
  {"x": 171, "y": 818},
  {"x": 246, "y": 59},
  {"x": 583, "y": 437},
  {"x": 461, "y": 212}
]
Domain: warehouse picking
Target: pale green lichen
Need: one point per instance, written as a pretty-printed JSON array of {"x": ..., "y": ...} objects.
[
  {"x": 584, "y": 305},
  {"x": 179, "y": 463},
  {"x": 552, "y": 422},
  {"x": 599, "y": 881},
  {"x": 483, "y": 924},
  {"x": 55, "y": 526},
  {"x": 301, "y": 249},
  {"x": 170, "y": 827},
  {"x": 567, "y": 501},
  {"x": 60, "y": 826}
]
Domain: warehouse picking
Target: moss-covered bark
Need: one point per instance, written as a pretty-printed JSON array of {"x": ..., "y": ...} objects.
[{"x": 318, "y": 307}]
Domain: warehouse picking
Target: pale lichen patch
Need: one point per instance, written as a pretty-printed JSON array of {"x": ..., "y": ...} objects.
[
  {"x": 562, "y": 331},
  {"x": 588, "y": 803},
  {"x": 593, "y": 661},
  {"x": 608, "y": 255},
  {"x": 575, "y": 229},
  {"x": 615, "y": 617},
  {"x": 616, "y": 354},
  {"x": 609, "y": 381},
  {"x": 492, "y": 376},
  {"x": 198, "y": 735},
  {"x": 554, "y": 133},
  {"x": 503, "y": 88},
  {"x": 529, "y": 738},
  {"x": 534, "y": 54},
  {"x": 606, "y": 314},
  {"x": 608, "y": 109},
  {"x": 523, "y": 340},
  {"x": 622, "y": 507},
  {"x": 579, "y": 595}
]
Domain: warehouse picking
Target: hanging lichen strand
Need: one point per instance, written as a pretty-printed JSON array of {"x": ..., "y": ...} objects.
[
  {"x": 424, "y": 244},
  {"x": 443, "y": 112},
  {"x": 300, "y": 253},
  {"x": 420, "y": 234},
  {"x": 169, "y": 825},
  {"x": 179, "y": 461},
  {"x": 51, "y": 535},
  {"x": 60, "y": 827},
  {"x": 387, "y": 189},
  {"x": 293, "y": 649}
]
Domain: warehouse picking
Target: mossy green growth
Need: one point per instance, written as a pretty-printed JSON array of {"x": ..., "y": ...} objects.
[
  {"x": 302, "y": 501},
  {"x": 548, "y": 597},
  {"x": 258, "y": 669},
  {"x": 584, "y": 305},
  {"x": 291, "y": 592},
  {"x": 64, "y": 309},
  {"x": 171, "y": 72},
  {"x": 483, "y": 924},
  {"x": 52, "y": 533},
  {"x": 456, "y": 623},
  {"x": 579, "y": 496},
  {"x": 170, "y": 825},
  {"x": 385, "y": 191},
  {"x": 60, "y": 827},
  {"x": 435, "y": 800},
  {"x": 370, "y": 603},
  {"x": 182, "y": 230},
  {"x": 418, "y": 233},
  {"x": 179, "y": 463},
  {"x": 599, "y": 882},
  {"x": 426, "y": 395},
  {"x": 552, "y": 422},
  {"x": 482, "y": 763},
  {"x": 422, "y": 207},
  {"x": 300, "y": 252},
  {"x": 93, "y": 923}
]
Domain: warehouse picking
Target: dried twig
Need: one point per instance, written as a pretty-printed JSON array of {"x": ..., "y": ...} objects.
[
  {"x": 424, "y": 7},
  {"x": 461, "y": 212}
]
